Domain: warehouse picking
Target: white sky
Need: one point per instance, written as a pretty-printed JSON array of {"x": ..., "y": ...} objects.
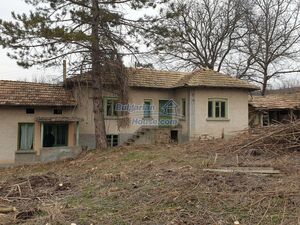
[{"x": 9, "y": 70}]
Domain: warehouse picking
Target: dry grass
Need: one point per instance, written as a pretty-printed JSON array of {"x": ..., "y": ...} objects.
[{"x": 154, "y": 185}]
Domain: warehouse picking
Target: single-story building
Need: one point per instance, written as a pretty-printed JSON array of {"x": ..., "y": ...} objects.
[
  {"x": 274, "y": 108},
  {"x": 200, "y": 104},
  {"x": 43, "y": 122},
  {"x": 38, "y": 123}
]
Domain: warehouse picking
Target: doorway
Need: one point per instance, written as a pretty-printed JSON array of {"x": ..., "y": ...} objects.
[{"x": 174, "y": 136}]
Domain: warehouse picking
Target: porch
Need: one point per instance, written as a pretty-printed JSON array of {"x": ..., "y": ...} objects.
[{"x": 48, "y": 139}]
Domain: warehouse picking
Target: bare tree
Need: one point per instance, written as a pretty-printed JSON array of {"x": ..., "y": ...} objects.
[
  {"x": 269, "y": 47},
  {"x": 196, "y": 33}
]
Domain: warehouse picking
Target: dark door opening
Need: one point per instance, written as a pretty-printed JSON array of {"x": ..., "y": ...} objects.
[{"x": 174, "y": 136}]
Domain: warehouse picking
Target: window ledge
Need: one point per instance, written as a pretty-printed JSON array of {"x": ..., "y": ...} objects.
[
  {"x": 217, "y": 120},
  {"x": 25, "y": 152}
]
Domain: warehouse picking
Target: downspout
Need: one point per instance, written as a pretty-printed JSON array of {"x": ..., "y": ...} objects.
[
  {"x": 77, "y": 133},
  {"x": 190, "y": 114}
]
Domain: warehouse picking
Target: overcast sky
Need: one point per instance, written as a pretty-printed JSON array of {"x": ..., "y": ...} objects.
[{"x": 9, "y": 70}]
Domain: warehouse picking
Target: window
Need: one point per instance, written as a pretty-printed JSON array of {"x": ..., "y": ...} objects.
[
  {"x": 112, "y": 140},
  {"x": 266, "y": 119},
  {"x": 26, "y": 134},
  {"x": 57, "y": 111},
  {"x": 110, "y": 107},
  {"x": 55, "y": 135},
  {"x": 217, "y": 108},
  {"x": 147, "y": 109},
  {"x": 183, "y": 107},
  {"x": 30, "y": 111}
]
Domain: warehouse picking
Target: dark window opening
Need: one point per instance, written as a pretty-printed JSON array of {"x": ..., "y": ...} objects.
[
  {"x": 266, "y": 119},
  {"x": 30, "y": 111},
  {"x": 210, "y": 109},
  {"x": 147, "y": 109},
  {"x": 183, "y": 108},
  {"x": 217, "y": 109},
  {"x": 111, "y": 107},
  {"x": 112, "y": 140},
  {"x": 174, "y": 136},
  {"x": 57, "y": 111},
  {"x": 223, "y": 110},
  {"x": 55, "y": 135}
]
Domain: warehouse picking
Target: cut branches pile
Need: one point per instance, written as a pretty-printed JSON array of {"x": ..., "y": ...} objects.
[{"x": 274, "y": 139}]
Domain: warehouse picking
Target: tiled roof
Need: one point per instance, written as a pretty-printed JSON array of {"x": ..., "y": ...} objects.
[
  {"x": 154, "y": 78},
  {"x": 149, "y": 78},
  {"x": 276, "y": 101},
  {"x": 34, "y": 94},
  {"x": 210, "y": 78}
]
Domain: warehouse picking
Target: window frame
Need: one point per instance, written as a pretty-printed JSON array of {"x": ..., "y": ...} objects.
[
  {"x": 57, "y": 111},
  {"x": 55, "y": 145},
  {"x": 217, "y": 102},
  {"x": 144, "y": 110},
  {"x": 113, "y": 99},
  {"x": 19, "y": 138},
  {"x": 110, "y": 140}
]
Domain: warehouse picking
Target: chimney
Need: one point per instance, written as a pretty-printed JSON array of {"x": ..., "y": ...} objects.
[{"x": 65, "y": 71}]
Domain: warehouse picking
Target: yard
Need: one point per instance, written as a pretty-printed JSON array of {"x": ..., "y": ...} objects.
[{"x": 155, "y": 185}]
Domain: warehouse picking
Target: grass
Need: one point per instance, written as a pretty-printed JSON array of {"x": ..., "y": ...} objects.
[{"x": 158, "y": 185}]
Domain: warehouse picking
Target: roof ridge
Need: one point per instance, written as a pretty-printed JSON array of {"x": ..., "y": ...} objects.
[
  {"x": 184, "y": 81},
  {"x": 158, "y": 70},
  {"x": 29, "y": 82}
]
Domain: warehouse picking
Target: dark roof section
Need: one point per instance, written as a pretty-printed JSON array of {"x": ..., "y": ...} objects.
[
  {"x": 17, "y": 93},
  {"x": 148, "y": 78},
  {"x": 276, "y": 101}
]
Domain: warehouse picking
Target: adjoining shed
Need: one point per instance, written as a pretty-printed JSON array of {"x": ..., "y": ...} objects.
[
  {"x": 38, "y": 123},
  {"x": 274, "y": 108}
]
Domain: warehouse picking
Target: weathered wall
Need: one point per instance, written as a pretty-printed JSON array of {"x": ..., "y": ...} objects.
[
  {"x": 237, "y": 112},
  {"x": 197, "y": 117},
  {"x": 10, "y": 117},
  {"x": 179, "y": 94},
  {"x": 136, "y": 96},
  {"x": 193, "y": 126}
]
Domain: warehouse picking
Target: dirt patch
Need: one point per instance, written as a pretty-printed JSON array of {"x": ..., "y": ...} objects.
[{"x": 163, "y": 184}]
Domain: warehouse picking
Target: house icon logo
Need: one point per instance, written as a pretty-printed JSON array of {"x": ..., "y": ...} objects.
[{"x": 170, "y": 108}]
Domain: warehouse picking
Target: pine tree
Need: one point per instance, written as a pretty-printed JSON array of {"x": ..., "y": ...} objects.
[{"x": 89, "y": 32}]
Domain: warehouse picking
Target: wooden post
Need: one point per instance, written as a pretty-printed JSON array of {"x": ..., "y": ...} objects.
[{"x": 37, "y": 138}]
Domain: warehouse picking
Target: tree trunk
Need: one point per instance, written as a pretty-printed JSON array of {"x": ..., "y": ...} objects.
[
  {"x": 100, "y": 132},
  {"x": 265, "y": 82}
]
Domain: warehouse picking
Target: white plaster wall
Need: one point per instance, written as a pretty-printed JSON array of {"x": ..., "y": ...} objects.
[
  {"x": 136, "y": 96},
  {"x": 237, "y": 112},
  {"x": 10, "y": 117}
]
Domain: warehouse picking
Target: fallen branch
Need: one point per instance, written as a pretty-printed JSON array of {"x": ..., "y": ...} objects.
[
  {"x": 244, "y": 170},
  {"x": 8, "y": 210}
]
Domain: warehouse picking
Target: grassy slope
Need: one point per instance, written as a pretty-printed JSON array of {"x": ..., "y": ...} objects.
[{"x": 152, "y": 185}]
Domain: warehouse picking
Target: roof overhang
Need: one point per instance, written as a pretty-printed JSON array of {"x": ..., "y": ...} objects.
[{"x": 58, "y": 119}]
